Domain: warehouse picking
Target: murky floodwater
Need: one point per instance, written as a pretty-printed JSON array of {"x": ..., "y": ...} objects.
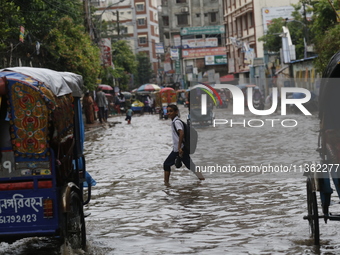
[{"x": 132, "y": 212}]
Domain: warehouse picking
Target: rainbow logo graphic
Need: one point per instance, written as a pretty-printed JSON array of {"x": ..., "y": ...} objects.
[{"x": 210, "y": 91}]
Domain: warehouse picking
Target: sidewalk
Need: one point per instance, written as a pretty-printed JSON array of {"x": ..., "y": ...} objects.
[{"x": 89, "y": 128}]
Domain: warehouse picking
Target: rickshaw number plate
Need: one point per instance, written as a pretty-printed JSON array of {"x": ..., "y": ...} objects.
[{"x": 7, "y": 166}]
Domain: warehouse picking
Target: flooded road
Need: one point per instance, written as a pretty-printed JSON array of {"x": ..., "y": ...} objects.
[{"x": 132, "y": 212}]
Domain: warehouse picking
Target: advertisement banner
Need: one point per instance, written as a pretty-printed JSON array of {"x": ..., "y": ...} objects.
[
  {"x": 203, "y": 30},
  {"x": 202, "y": 52},
  {"x": 177, "y": 40},
  {"x": 216, "y": 60},
  {"x": 200, "y": 43},
  {"x": 159, "y": 48},
  {"x": 174, "y": 54},
  {"x": 105, "y": 49}
]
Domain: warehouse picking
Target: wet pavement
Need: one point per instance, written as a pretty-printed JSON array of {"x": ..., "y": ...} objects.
[{"x": 132, "y": 212}]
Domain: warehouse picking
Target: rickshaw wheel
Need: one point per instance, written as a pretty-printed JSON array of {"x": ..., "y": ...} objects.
[
  {"x": 75, "y": 223},
  {"x": 313, "y": 215}
]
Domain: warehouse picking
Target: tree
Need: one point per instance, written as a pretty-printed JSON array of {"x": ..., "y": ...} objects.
[
  {"x": 326, "y": 30},
  {"x": 298, "y": 28},
  {"x": 41, "y": 20},
  {"x": 271, "y": 40},
  {"x": 70, "y": 48},
  {"x": 125, "y": 63},
  {"x": 144, "y": 68}
]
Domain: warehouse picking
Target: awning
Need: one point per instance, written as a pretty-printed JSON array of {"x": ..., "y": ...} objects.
[
  {"x": 226, "y": 78},
  {"x": 280, "y": 70}
]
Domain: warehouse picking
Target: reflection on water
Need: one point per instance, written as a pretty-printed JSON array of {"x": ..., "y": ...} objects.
[{"x": 132, "y": 212}]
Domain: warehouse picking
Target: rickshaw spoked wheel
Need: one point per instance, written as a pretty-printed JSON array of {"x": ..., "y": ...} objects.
[
  {"x": 75, "y": 232},
  {"x": 313, "y": 215}
]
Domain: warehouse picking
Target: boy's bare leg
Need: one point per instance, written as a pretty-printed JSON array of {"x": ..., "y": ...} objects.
[
  {"x": 166, "y": 177},
  {"x": 199, "y": 175}
]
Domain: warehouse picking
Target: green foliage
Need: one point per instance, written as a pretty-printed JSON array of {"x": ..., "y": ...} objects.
[
  {"x": 297, "y": 29},
  {"x": 272, "y": 40},
  {"x": 331, "y": 40},
  {"x": 72, "y": 50},
  {"x": 58, "y": 26},
  {"x": 144, "y": 69},
  {"x": 327, "y": 36},
  {"x": 10, "y": 20},
  {"x": 125, "y": 63}
]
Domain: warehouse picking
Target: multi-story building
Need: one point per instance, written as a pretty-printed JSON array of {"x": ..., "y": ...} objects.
[
  {"x": 193, "y": 30},
  {"x": 137, "y": 23},
  {"x": 246, "y": 21}
]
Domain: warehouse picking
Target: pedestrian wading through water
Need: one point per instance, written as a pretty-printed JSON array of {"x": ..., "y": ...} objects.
[{"x": 178, "y": 149}]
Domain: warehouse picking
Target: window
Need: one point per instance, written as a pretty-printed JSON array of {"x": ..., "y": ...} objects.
[
  {"x": 165, "y": 21},
  {"x": 141, "y": 22},
  {"x": 139, "y": 7},
  {"x": 213, "y": 17},
  {"x": 142, "y": 40},
  {"x": 250, "y": 16},
  {"x": 182, "y": 19},
  {"x": 123, "y": 30},
  {"x": 180, "y": 1}
]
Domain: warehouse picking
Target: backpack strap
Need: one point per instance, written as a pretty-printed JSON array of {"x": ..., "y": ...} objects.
[{"x": 184, "y": 129}]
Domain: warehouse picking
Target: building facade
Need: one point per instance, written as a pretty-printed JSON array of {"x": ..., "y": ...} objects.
[
  {"x": 191, "y": 32},
  {"x": 246, "y": 21},
  {"x": 137, "y": 24}
]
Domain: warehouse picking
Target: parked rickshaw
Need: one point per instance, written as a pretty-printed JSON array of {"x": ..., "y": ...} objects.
[
  {"x": 195, "y": 106},
  {"x": 163, "y": 98},
  {"x": 42, "y": 170},
  {"x": 318, "y": 174}
]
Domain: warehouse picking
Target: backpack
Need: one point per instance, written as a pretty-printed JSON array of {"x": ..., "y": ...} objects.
[{"x": 190, "y": 137}]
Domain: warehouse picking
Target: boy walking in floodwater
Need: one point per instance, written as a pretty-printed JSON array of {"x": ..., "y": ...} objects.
[
  {"x": 177, "y": 129},
  {"x": 129, "y": 115}
]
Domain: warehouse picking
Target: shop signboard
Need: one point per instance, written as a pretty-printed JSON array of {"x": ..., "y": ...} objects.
[
  {"x": 203, "y": 30},
  {"x": 202, "y": 52},
  {"x": 216, "y": 60}
]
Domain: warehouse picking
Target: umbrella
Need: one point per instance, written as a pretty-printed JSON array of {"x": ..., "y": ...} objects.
[
  {"x": 126, "y": 94},
  {"x": 105, "y": 87},
  {"x": 148, "y": 88},
  {"x": 166, "y": 89}
]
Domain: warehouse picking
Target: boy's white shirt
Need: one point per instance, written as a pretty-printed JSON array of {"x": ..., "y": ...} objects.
[{"x": 175, "y": 136}]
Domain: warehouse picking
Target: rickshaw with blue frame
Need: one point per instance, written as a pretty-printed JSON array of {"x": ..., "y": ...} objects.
[{"x": 42, "y": 170}]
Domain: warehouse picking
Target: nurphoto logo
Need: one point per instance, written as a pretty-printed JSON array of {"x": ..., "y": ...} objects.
[{"x": 241, "y": 98}]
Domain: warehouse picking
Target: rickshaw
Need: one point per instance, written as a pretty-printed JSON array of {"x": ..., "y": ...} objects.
[
  {"x": 163, "y": 98},
  {"x": 42, "y": 170},
  {"x": 318, "y": 174},
  {"x": 195, "y": 106}
]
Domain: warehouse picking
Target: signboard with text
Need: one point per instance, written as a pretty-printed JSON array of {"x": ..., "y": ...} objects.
[
  {"x": 159, "y": 48},
  {"x": 202, "y": 52},
  {"x": 203, "y": 30},
  {"x": 216, "y": 60},
  {"x": 200, "y": 43}
]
